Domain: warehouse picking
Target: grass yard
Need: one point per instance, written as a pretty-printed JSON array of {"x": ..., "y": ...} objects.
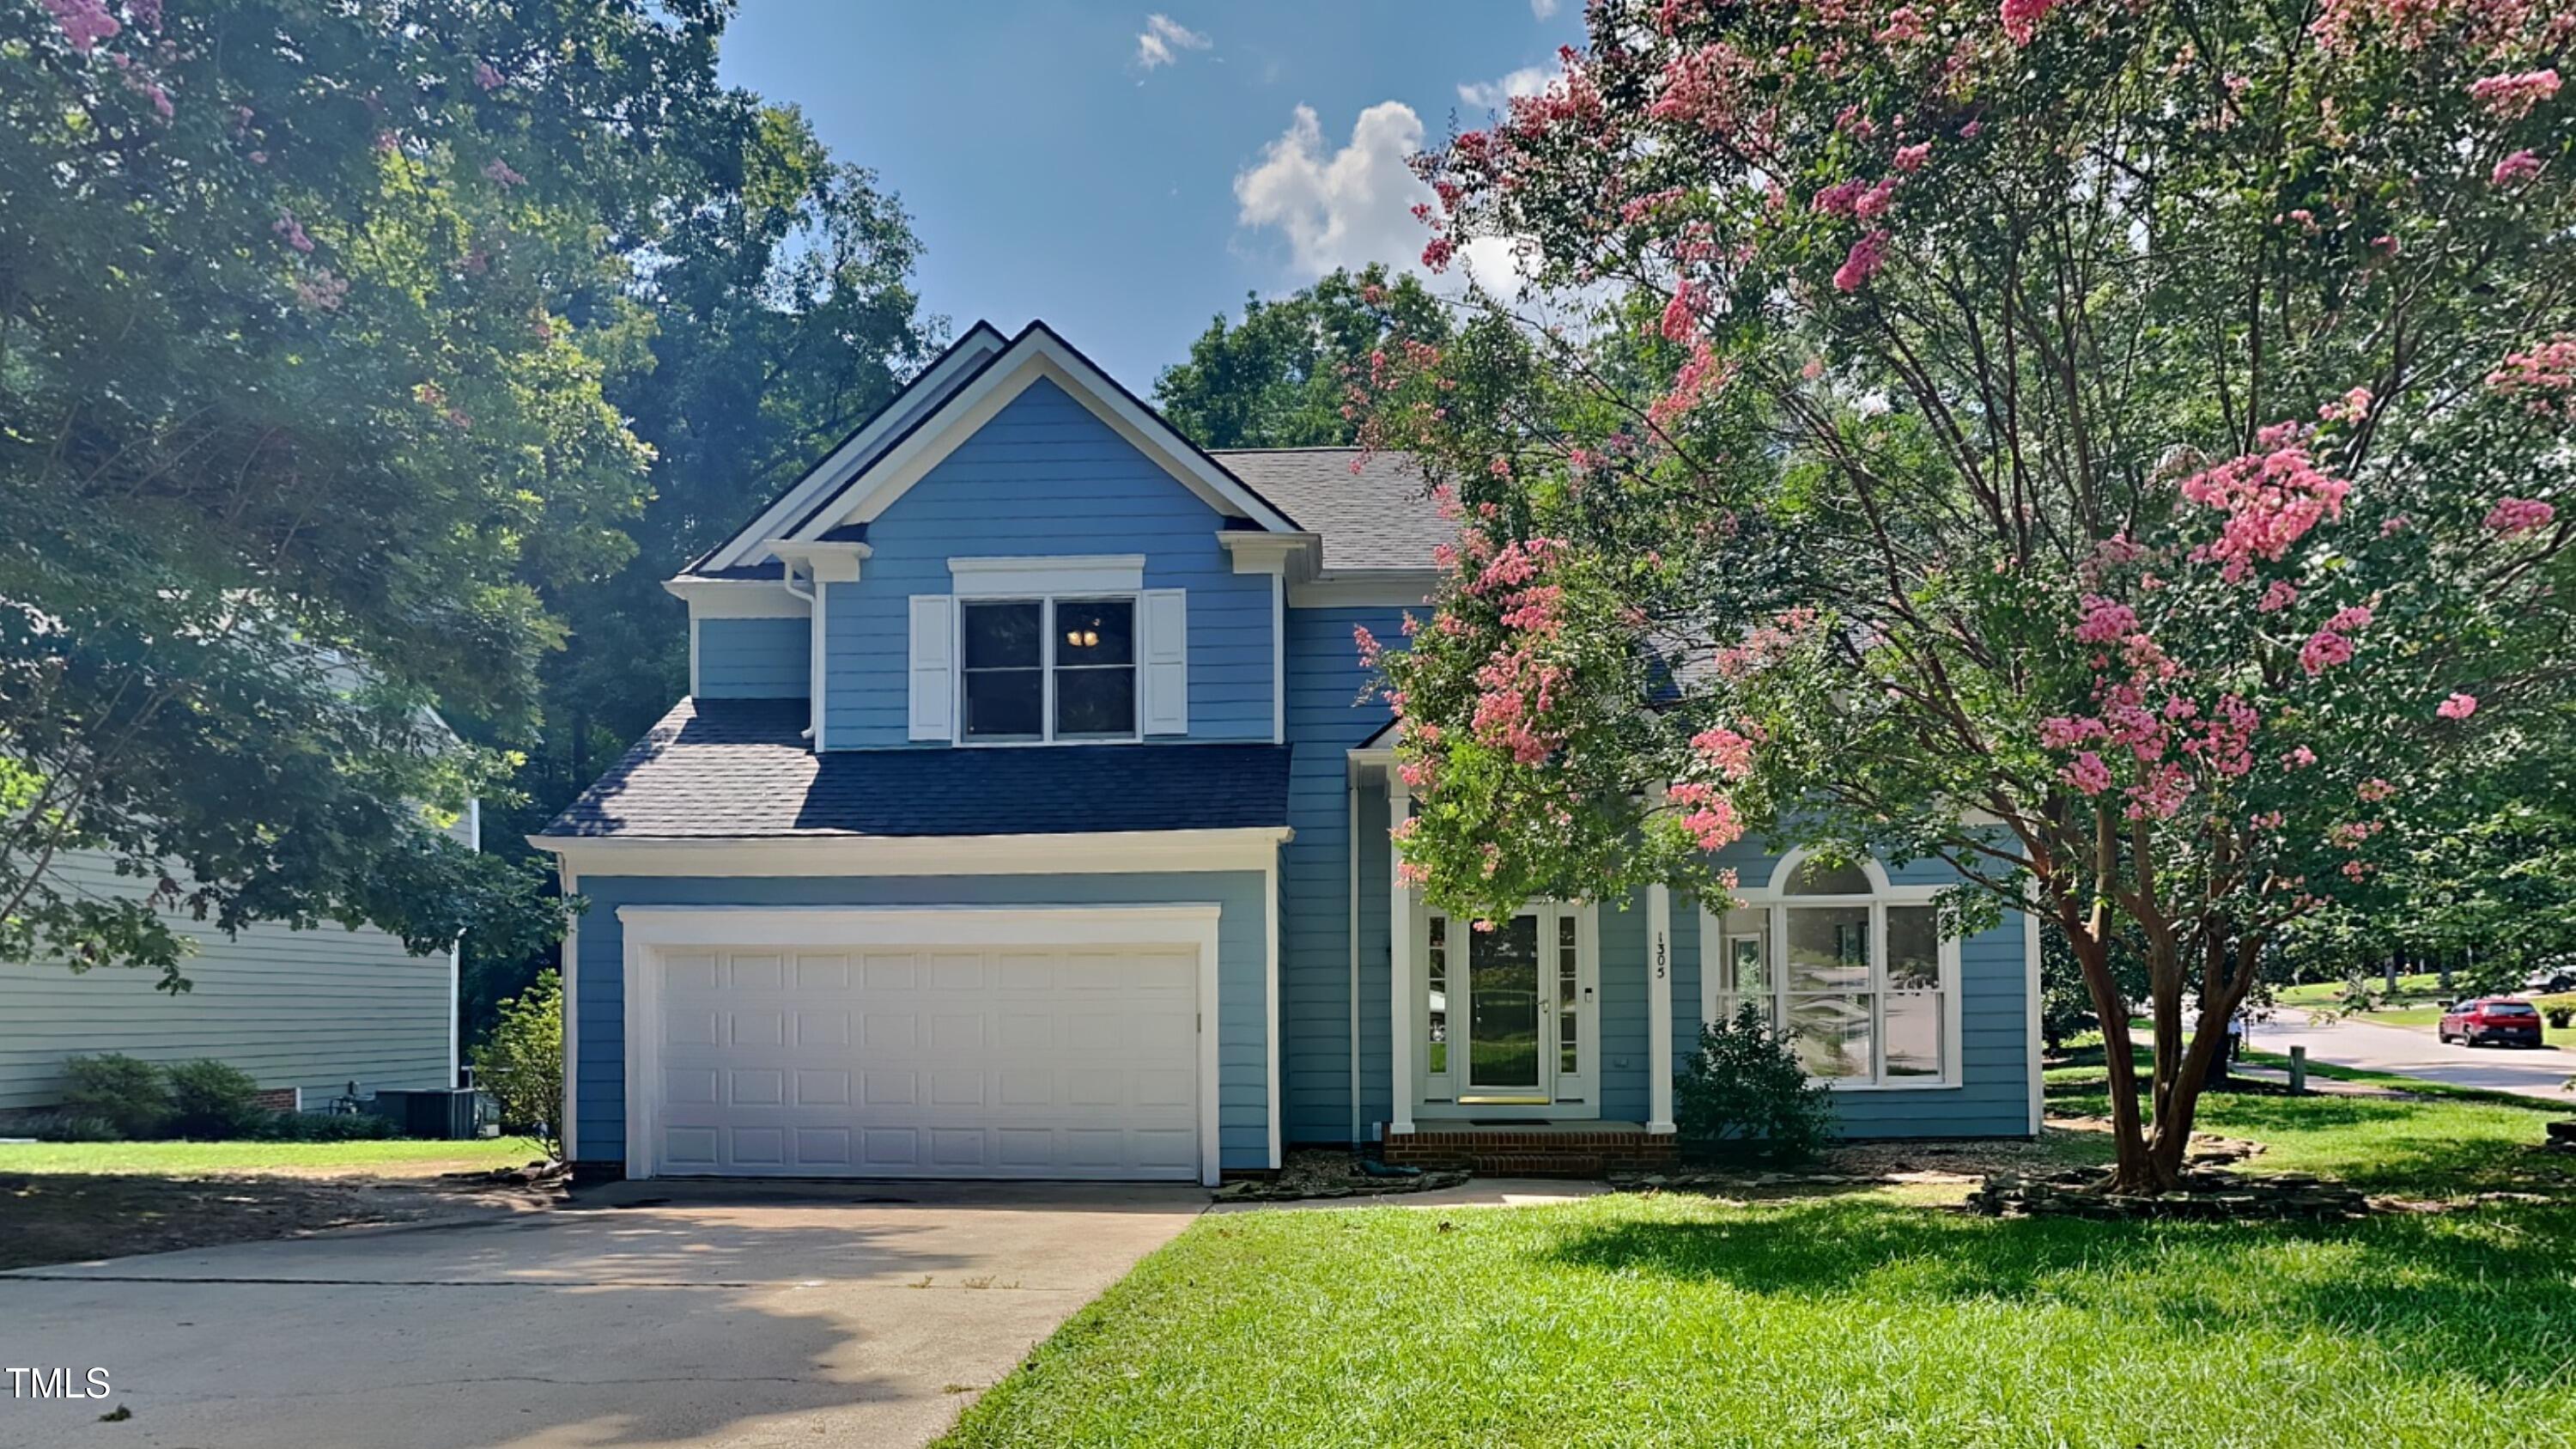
[
  {"x": 198, "y": 1159},
  {"x": 1876, "y": 1317}
]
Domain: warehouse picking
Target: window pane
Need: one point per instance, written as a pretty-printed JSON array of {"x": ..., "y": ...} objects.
[
  {"x": 1095, "y": 701},
  {"x": 1002, "y": 636},
  {"x": 1832, "y": 1034},
  {"x": 1004, "y": 703},
  {"x": 1913, "y": 948},
  {"x": 1914, "y": 1028},
  {"x": 1745, "y": 968},
  {"x": 1503, "y": 1005},
  {"x": 1815, "y": 878},
  {"x": 1829, "y": 948},
  {"x": 1095, "y": 631},
  {"x": 1437, "y": 968}
]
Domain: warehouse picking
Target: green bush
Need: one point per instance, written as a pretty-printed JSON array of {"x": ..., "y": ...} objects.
[
  {"x": 1744, "y": 1093},
  {"x": 130, "y": 1095},
  {"x": 65, "y": 1127},
  {"x": 326, "y": 1127},
  {"x": 2561, "y": 1017},
  {"x": 521, "y": 1066},
  {"x": 211, "y": 1101}
]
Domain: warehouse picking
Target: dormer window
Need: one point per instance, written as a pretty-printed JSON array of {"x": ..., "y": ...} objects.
[{"x": 1032, "y": 671}]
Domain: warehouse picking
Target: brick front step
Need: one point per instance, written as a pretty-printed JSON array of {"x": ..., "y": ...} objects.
[{"x": 1505, "y": 1153}]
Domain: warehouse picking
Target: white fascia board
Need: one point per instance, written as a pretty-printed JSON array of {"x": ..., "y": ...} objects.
[
  {"x": 1176, "y": 923},
  {"x": 737, "y": 598},
  {"x": 980, "y": 342},
  {"x": 1100, "y": 852},
  {"x": 1039, "y": 354},
  {"x": 1365, "y": 588}
]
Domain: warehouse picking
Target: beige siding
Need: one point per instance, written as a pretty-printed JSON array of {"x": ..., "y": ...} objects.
[{"x": 312, "y": 1009}]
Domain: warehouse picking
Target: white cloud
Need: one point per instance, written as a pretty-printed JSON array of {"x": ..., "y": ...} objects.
[
  {"x": 1543, "y": 8},
  {"x": 1495, "y": 95},
  {"x": 1350, "y": 205},
  {"x": 1162, "y": 40}
]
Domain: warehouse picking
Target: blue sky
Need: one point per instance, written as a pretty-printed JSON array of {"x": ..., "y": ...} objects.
[{"x": 1126, "y": 172}]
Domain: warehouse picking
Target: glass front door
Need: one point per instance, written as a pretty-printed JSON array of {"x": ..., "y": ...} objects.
[{"x": 1505, "y": 1014}]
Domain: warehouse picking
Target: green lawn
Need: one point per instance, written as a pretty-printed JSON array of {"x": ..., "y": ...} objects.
[
  {"x": 179, "y": 1159},
  {"x": 1866, "y": 1317}
]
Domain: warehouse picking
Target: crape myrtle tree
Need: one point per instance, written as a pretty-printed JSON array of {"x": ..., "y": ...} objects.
[
  {"x": 293, "y": 422},
  {"x": 2117, "y": 449},
  {"x": 1279, "y": 378}
]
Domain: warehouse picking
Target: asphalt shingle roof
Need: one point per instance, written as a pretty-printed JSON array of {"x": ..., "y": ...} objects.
[
  {"x": 740, "y": 767},
  {"x": 1379, "y": 517}
]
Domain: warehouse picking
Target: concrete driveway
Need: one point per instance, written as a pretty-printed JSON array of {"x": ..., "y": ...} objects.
[
  {"x": 2409, "y": 1052},
  {"x": 648, "y": 1314}
]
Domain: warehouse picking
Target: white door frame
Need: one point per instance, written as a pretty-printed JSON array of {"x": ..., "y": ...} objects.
[
  {"x": 1453, "y": 1084},
  {"x": 650, "y": 930}
]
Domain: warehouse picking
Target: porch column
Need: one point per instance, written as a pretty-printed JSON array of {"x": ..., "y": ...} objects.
[
  {"x": 1399, "y": 974},
  {"x": 1659, "y": 1008}
]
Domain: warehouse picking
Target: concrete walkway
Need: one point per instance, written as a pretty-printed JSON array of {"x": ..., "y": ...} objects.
[
  {"x": 649, "y": 1314},
  {"x": 2373, "y": 1047}
]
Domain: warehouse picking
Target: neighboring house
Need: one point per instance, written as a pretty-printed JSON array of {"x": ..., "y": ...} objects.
[
  {"x": 305, "y": 1013},
  {"x": 1027, "y": 819}
]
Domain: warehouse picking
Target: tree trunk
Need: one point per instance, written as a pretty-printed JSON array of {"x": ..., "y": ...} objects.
[
  {"x": 2442, "y": 964},
  {"x": 2134, "y": 1168},
  {"x": 2388, "y": 968}
]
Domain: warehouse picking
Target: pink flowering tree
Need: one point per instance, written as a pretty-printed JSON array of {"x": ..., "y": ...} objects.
[{"x": 2117, "y": 449}]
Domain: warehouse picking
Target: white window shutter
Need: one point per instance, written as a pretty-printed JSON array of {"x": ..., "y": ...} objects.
[
  {"x": 934, "y": 682},
  {"x": 1167, "y": 661}
]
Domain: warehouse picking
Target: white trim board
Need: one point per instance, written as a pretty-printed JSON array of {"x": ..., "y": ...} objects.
[
  {"x": 737, "y": 598},
  {"x": 1096, "y": 853},
  {"x": 649, "y": 929},
  {"x": 1369, "y": 588},
  {"x": 1036, "y": 353},
  {"x": 1033, "y": 576}
]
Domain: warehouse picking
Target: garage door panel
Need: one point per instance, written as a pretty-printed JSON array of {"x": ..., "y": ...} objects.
[{"x": 956, "y": 1062}]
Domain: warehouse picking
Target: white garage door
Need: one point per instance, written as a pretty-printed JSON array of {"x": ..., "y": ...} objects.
[{"x": 936, "y": 1062}]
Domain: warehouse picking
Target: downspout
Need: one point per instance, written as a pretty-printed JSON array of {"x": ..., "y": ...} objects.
[
  {"x": 814, "y": 680},
  {"x": 1351, "y": 848}
]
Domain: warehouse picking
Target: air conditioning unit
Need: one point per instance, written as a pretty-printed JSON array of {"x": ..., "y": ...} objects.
[{"x": 437, "y": 1113}]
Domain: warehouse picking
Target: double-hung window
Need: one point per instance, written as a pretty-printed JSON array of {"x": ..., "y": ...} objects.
[
  {"x": 1049, "y": 669},
  {"x": 1859, "y": 977}
]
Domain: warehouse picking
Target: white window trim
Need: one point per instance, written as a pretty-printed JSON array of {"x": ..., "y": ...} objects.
[
  {"x": 649, "y": 930},
  {"x": 1772, "y": 899},
  {"x": 1047, "y": 668},
  {"x": 1027, "y": 577}
]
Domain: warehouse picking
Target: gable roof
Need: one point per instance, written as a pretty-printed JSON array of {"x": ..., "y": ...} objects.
[
  {"x": 1373, "y": 510},
  {"x": 731, "y": 768}
]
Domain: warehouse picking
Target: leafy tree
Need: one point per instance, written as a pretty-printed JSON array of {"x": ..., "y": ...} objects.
[
  {"x": 522, "y": 1065},
  {"x": 1282, "y": 376},
  {"x": 2108, "y": 448}
]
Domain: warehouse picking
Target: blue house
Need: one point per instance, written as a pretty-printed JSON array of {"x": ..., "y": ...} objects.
[{"x": 1026, "y": 819}]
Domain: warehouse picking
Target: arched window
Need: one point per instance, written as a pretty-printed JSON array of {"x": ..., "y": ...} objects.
[{"x": 1854, "y": 968}]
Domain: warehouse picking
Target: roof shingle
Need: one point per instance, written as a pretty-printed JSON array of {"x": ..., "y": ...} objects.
[{"x": 1373, "y": 509}]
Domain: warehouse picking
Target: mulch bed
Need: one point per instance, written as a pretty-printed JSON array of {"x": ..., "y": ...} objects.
[
  {"x": 1314, "y": 1172},
  {"x": 2207, "y": 1196},
  {"x": 71, "y": 1217}
]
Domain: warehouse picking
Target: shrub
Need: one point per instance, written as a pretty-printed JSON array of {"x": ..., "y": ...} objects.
[
  {"x": 130, "y": 1095},
  {"x": 212, "y": 1100},
  {"x": 2561, "y": 1016},
  {"x": 65, "y": 1127},
  {"x": 326, "y": 1127},
  {"x": 521, "y": 1063},
  {"x": 1744, "y": 1093}
]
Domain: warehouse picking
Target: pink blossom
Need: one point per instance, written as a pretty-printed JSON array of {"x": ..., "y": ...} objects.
[
  {"x": 1903, "y": 23},
  {"x": 288, "y": 227},
  {"x": 2350, "y": 620},
  {"x": 2299, "y": 758},
  {"x": 2106, "y": 621},
  {"x": 2324, "y": 649},
  {"x": 499, "y": 170},
  {"x": 1412, "y": 873},
  {"x": 1863, "y": 263},
  {"x": 1730, "y": 752},
  {"x": 2061, "y": 732},
  {"x": 2520, "y": 515},
  {"x": 2087, "y": 774},
  {"x": 1911, "y": 158},
  {"x": 2542, "y": 377},
  {"x": 145, "y": 13},
  {"x": 2022, "y": 17},
  {"x": 1714, "y": 825},
  {"x": 487, "y": 77},
  {"x": 84, "y": 23},
  {"x": 1437, "y": 252},
  {"x": 2278, "y": 595},
  {"x": 1681, "y": 314},
  {"x": 2458, "y": 706},
  {"x": 2352, "y": 408},
  {"x": 2354, "y": 869},
  {"x": 2511, "y": 97},
  {"x": 1369, "y": 648},
  {"x": 2375, "y": 790},
  {"x": 2271, "y": 497},
  {"x": 2519, "y": 167}
]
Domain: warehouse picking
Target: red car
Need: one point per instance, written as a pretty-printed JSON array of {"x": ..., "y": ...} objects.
[{"x": 2491, "y": 1019}]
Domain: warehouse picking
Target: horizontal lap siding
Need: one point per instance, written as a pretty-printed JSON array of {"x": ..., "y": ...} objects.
[
  {"x": 312, "y": 1009},
  {"x": 754, "y": 658},
  {"x": 1325, "y": 723},
  {"x": 1046, "y": 477},
  {"x": 1243, "y": 1059}
]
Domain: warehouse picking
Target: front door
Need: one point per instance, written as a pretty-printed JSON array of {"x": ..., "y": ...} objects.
[{"x": 1509, "y": 1012}]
